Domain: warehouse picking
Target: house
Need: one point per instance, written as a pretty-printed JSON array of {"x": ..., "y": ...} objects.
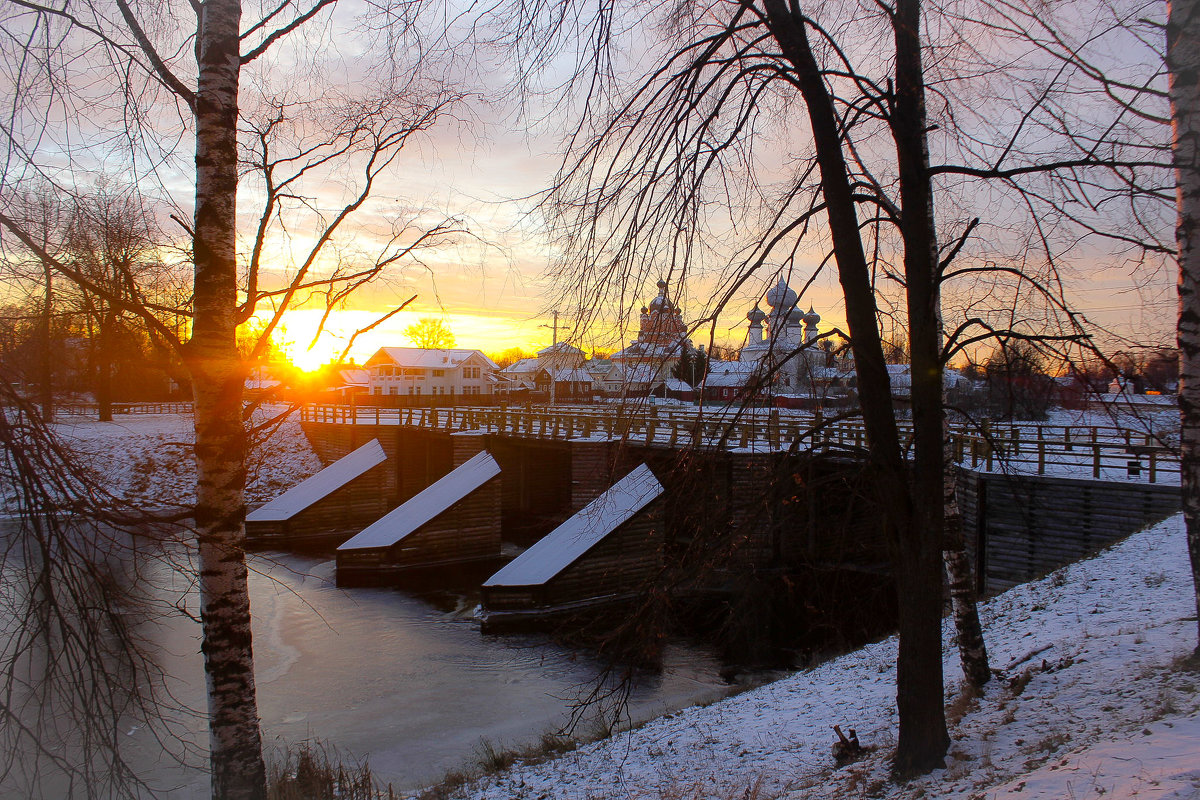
[
  {"x": 565, "y": 362},
  {"x": 414, "y": 371}
]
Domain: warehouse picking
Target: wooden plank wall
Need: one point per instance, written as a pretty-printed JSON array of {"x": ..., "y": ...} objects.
[
  {"x": 345, "y": 511},
  {"x": 624, "y": 562},
  {"x": 536, "y": 486},
  {"x": 1025, "y": 526},
  {"x": 592, "y": 464},
  {"x": 469, "y": 530}
]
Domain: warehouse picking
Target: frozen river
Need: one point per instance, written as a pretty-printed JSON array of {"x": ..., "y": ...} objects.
[{"x": 410, "y": 685}]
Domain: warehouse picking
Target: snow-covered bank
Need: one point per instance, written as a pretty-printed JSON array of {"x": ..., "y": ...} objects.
[
  {"x": 147, "y": 458},
  {"x": 1093, "y": 701}
]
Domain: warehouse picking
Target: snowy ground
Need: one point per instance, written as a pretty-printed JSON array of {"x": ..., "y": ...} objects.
[
  {"x": 1093, "y": 701},
  {"x": 147, "y": 458}
]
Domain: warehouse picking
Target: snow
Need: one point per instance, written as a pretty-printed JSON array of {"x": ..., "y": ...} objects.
[
  {"x": 426, "y": 504},
  {"x": 147, "y": 459},
  {"x": 1092, "y": 700},
  {"x": 560, "y": 548},
  {"x": 321, "y": 485}
]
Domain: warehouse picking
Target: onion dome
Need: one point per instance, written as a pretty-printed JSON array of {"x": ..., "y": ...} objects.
[
  {"x": 782, "y": 296},
  {"x": 756, "y": 316},
  {"x": 661, "y": 303},
  {"x": 811, "y": 318}
]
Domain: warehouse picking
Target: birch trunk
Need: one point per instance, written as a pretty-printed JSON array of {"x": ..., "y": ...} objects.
[
  {"x": 217, "y": 378},
  {"x": 972, "y": 650},
  {"x": 1183, "y": 62}
]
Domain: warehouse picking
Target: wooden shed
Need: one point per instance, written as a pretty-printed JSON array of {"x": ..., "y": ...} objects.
[
  {"x": 604, "y": 554},
  {"x": 451, "y": 524},
  {"x": 327, "y": 508}
]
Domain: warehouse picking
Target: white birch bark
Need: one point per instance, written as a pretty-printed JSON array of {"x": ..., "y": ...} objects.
[
  {"x": 217, "y": 379},
  {"x": 1183, "y": 62}
]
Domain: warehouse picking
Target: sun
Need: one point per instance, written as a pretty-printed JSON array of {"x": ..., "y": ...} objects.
[{"x": 309, "y": 360}]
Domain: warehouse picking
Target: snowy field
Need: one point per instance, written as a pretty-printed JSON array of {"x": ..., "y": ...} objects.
[
  {"x": 147, "y": 459},
  {"x": 1092, "y": 701}
]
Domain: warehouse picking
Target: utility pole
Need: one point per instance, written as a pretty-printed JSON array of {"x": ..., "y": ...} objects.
[{"x": 553, "y": 352}]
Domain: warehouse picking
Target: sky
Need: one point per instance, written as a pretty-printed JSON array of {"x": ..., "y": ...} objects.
[
  {"x": 482, "y": 165},
  {"x": 485, "y": 166}
]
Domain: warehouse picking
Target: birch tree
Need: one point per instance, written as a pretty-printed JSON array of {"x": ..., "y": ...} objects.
[
  {"x": 166, "y": 72},
  {"x": 1183, "y": 62}
]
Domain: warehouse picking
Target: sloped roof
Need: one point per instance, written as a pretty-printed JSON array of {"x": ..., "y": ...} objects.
[
  {"x": 422, "y": 358},
  {"x": 522, "y": 366},
  {"x": 399, "y": 523},
  {"x": 321, "y": 485},
  {"x": 734, "y": 374},
  {"x": 565, "y": 544},
  {"x": 561, "y": 347},
  {"x": 575, "y": 374},
  {"x": 354, "y": 377}
]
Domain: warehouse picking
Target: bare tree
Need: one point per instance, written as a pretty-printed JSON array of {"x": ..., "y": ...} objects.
[
  {"x": 430, "y": 333},
  {"x": 140, "y": 57},
  {"x": 1183, "y": 62},
  {"x": 667, "y": 177}
]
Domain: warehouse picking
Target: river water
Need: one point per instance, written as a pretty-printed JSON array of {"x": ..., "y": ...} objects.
[{"x": 408, "y": 684}]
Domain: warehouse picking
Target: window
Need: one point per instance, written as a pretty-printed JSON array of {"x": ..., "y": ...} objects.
[
  {"x": 439, "y": 373},
  {"x": 470, "y": 372}
]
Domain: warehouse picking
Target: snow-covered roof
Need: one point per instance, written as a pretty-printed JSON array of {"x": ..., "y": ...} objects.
[
  {"x": 427, "y": 504},
  {"x": 522, "y": 366},
  {"x": 599, "y": 365},
  {"x": 422, "y": 358},
  {"x": 676, "y": 385},
  {"x": 734, "y": 374},
  {"x": 321, "y": 485},
  {"x": 561, "y": 347},
  {"x": 354, "y": 377},
  {"x": 565, "y": 544},
  {"x": 574, "y": 374}
]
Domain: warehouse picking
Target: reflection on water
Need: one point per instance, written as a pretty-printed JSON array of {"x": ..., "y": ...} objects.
[{"x": 407, "y": 683}]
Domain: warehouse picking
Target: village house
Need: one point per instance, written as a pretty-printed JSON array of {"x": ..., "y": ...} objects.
[
  {"x": 405, "y": 371},
  {"x": 562, "y": 363}
]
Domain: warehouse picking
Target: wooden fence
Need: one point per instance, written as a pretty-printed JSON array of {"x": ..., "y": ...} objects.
[{"x": 1101, "y": 452}]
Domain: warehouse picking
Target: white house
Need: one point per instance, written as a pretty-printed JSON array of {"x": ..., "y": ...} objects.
[{"x": 416, "y": 371}]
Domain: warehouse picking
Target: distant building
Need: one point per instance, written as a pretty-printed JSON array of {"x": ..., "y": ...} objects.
[
  {"x": 419, "y": 372},
  {"x": 662, "y": 336},
  {"x": 563, "y": 363}
]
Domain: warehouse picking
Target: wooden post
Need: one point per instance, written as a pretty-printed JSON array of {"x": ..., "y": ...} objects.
[
  {"x": 1041, "y": 453},
  {"x": 1153, "y": 466},
  {"x": 1095, "y": 456}
]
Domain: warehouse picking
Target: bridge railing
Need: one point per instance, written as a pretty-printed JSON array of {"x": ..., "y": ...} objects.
[
  {"x": 120, "y": 409},
  {"x": 1083, "y": 450}
]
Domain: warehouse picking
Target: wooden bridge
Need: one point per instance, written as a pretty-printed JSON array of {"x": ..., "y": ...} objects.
[
  {"x": 1101, "y": 452},
  {"x": 766, "y": 488}
]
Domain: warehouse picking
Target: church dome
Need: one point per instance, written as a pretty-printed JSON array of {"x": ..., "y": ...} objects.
[
  {"x": 756, "y": 316},
  {"x": 661, "y": 303},
  {"x": 811, "y": 318},
  {"x": 781, "y": 297}
]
